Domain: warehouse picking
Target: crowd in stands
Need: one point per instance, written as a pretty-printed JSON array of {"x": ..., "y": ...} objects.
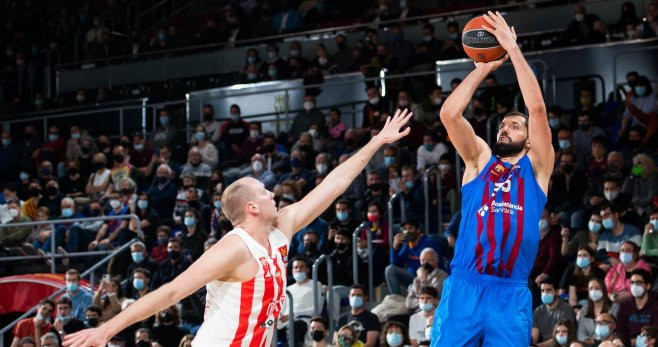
[
  {"x": 29, "y": 48},
  {"x": 592, "y": 281}
]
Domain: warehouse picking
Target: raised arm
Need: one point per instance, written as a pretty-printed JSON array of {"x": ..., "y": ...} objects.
[
  {"x": 223, "y": 260},
  {"x": 296, "y": 216},
  {"x": 541, "y": 151}
]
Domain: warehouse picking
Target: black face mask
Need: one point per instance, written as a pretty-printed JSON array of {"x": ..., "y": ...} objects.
[
  {"x": 305, "y": 148},
  {"x": 269, "y": 148},
  {"x": 173, "y": 255},
  {"x": 375, "y": 187},
  {"x": 584, "y": 127},
  {"x": 317, "y": 335},
  {"x": 311, "y": 247},
  {"x": 160, "y": 180},
  {"x": 99, "y": 165},
  {"x": 166, "y": 317},
  {"x": 95, "y": 212},
  {"x": 567, "y": 168},
  {"x": 85, "y": 150},
  {"x": 125, "y": 144},
  {"x": 72, "y": 171},
  {"x": 92, "y": 322},
  {"x": 634, "y": 143},
  {"x": 28, "y": 136},
  {"x": 208, "y": 117},
  {"x": 341, "y": 246},
  {"x": 142, "y": 344},
  {"x": 428, "y": 267},
  {"x": 127, "y": 191},
  {"x": 51, "y": 190},
  {"x": 193, "y": 204},
  {"x": 118, "y": 158},
  {"x": 34, "y": 192},
  {"x": 103, "y": 145}
]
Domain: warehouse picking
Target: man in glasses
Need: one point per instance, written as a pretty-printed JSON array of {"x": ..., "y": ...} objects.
[{"x": 642, "y": 310}]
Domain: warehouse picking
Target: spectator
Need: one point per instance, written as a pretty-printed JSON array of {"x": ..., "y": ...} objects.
[
  {"x": 15, "y": 236},
  {"x": 335, "y": 125},
  {"x": 28, "y": 326},
  {"x": 408, "y": 11},
  {"x": 588, "y": 237},
  {"x": 186, "y": 341},
  {"x": 140, "y": 284},
  {"x": 149, "y": 218},
  {"x": 172, "y": 266},
  {"x": 159, "y": 251},
  {"x": 376, "y": 193},
  {"x": 598, "y": 302},
  {"x": 49, "y": 340},
  {"x": 70, "y": 235},
  {"x": 233, "y": 132},
  {"x": 412, "y": 190},
  {"x": 640, "y": 108},
  {"x": 143, "y": 337},
  {"x": 99, "y": 179},
  {"x": 122, "y": 167},
  {"x": 428, "y": 275},
  {"x": 616, "y": 232},
  {"x": 428, "y": 109},
  {"x": 597, "y": 163},
  {"x": 140, "y": 260},
  {"x": 65, "y": 323},
  {"x": 452, "y": 47},
  {"x": 576, "y": 278},
  {"x": 323, "y": 62},
  {"x": 401, "y": 49},
  {"x": 166, "y": 133},
  {"x": 586, "y": 133},
  {"x": 109, "y": 298},
  {"x": 308, "y": 117},
  {"x": 649, "y": 248},
  {"x": 194, "y": 234},
  {"x": 375, "y": 106},
  {"x": 73, "y": 184},
  {"x": 166, "y": 330},
  {"x": 563, "y": 333},
  {"x": 647, "y": 337},
  {"x": 287, "y": 20},
  {"x": 318, "y": 327},
  {"x": 567, "y": 189},
  {"x": 616, "y": 280},
  {"x": 650, "y": 25},
  {"x": 341, "y": 256},
  {"x": 580, "y": 28},
  {"x": 8, "y": 155},
  {"x": 429, "y": 299},
  {"x": 343, "y": 55},
  {"x": 546, "y": 316},
  {"x": 586, "y": 104},
  {"x": 252, "y": 143},
  {"x": 347, "y": 336},
  {"x": 381, "y": 11},
  {"x": 548, "y": 262},
  {"x": 627, "y": 17},
  {"x": 195, "y": 166},
  {"x": 642, "y": 185},
  {"x": 52, "y": 199},
  {"x": 54, "y": 149},
  {"x": 394, "y": 334},
  {"x": 163, "y": 192},
  {"x": 642, "y": 310},
  {"x": 405, "y": 256},
  {"x": 80, "y": 298},
  {"x": 28, "y": 149},
  {"x": 260, "y": 172},
  {"x": 430, "y": 152},
  {"x": 207, "y": 150},
  {"x": 358, "y": 316}
]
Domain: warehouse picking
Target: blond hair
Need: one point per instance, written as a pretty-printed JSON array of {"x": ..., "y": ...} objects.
[{"x": 233, "y": 198}]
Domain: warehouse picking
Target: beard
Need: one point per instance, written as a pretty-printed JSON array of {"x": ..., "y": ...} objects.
[{"x": 504, "y": 150}]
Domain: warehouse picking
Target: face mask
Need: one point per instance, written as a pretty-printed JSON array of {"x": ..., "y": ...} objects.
[
  {"x": 373, "y": 218},
  {"x": 254, "y": 134},
  {"x": 173, "y": 254},
  {"x": 295, "y": 162},
  {"x": 409, "y": 184},
  {"x": 217, "y": 204},
  {"x": 454, "y": 36},
  {"x": 35, "y": 192},
  {"x": 403, "y": 103},
  {"x": 142, "y": 204},
  {"x": 654, "y": 224},
  {"x": 428, "y": 146},
  {"x": 323, "y": 60},
  {"x": 138, "y": 283},
  {"x": 23, "y": 176},
  {"x": 63, "y": 319},
  {"x": 289, "y": 197},
  {"x": 637, "y": 290},
  {"x": 317, "y": 335},
  {"x": 341, "y": 246},
  {"x": 611, "y": 195},
  {"x": 189, "y": 222},
  {"x": 251, "y": 60},
  {"x": 72, "y": 171},
  {"x": 53, "y": 137},
  {"x": 640, "y": 341},
  {"x": 72, "y": 286},
  {"x": 322, "y": 168},
  {"x": 375, "y": 187},
  {"x": 582, "y": 262},
  {"x": 547, "y": 299},
  {"x": 561, "y": 340},
  {"x": 52, "y": 190},
  {"x": 92, "y": 322},
  {"x": 115, "y": 204},
  {"x": 394, "y": 339},
  {"x": 374, "y": 100},
  {"x": 567, "y": 168},
  {"x": 637, "y": 170},
  {"x": 299, "y": 276},
  {"x": 601, "y": 331},
  {"x": 251, "y": 76},
  {"x": 388, "y": 161},
  {"x": 139, "y": 147},
  {"x": 75, "y": 136},
  {"x": 257, "y": 166},
  {"x": 308, "y": 105},
  {"x": 164, "y": 120},
  {"x": 595, "y": 295},
  {"x": 271, "y": 73},
  {"x": 639, "y": 91},
  {"x": 138, "y": 257},
  {"x": 427, "y": 266},
  {"x": 118, "y": 158},
  {"x": 342, "y": 216},
  {"x": 80, "y": 98},
  {"x": 356, "y": 301},
  {"x": 626, "y": 257},
  {"x": 437, "y": 101},
  {"x": 162, "y": 241},
  {"x": 6, "y": 142},
  {"x": 427, "y": 307},
  {"x": 543, "y": 224},
  {"x": 584, "y": 126},
  {"x": 67, "y": 212},
  {"x": 85, "y": 150},
  {"x": 46, "y": 171},
  {"x": 344, "y": 342},
  {"x": 564, "y": 144},
  {"x": 554, "y": 123},
  {"x": 200, "y": 136},
  {"x": 272, "y": 55},
  {"x": 166, "y": 317},
  {"x": 427, "y": 38},
  {"x": 13, "y": 213},
  {"x": 98, "y": 165},
  {"x": 609, "y": 224},
  {"x": 579, "y": 17},
  {"x": 594, "y": 227}
]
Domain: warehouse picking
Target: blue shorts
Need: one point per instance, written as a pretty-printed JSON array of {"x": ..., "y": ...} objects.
[{"x": 483, "y": 310}]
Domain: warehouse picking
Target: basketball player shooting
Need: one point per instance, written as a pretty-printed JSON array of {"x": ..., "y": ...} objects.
[
  {"x": 245, "y": 272},
  {"x": 486, "y": 301}
]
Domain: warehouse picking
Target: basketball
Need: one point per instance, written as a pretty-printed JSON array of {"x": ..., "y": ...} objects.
[{"x": 479, "y": 44}]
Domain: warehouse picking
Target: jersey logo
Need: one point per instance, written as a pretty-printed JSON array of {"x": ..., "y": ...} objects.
[
  {"x": 283, "y": 250},
  {"x": 505, "y": 186},
  {"x": 266, "y": 267}
]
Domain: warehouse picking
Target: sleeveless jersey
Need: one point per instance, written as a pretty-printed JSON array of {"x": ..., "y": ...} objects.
[
  {"x": 242, "y": 314},
  {"x": 499, "y": 230}
]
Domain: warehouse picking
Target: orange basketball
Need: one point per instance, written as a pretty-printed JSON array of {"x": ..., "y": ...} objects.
[{"x": 478, "y": 43}]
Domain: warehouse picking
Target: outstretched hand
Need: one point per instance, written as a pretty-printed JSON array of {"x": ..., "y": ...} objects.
[
  {"x": 93, "y": 337},
  {"x": 498, "y": 27},
  {"x": 391, "y": 130},
  {"x": 492, "y": 65}
]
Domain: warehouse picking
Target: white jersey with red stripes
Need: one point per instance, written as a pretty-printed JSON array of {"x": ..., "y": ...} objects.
[{"x": 242, "y": 314}]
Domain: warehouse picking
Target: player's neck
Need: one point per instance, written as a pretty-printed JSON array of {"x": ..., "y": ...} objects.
[
  {"x": 258, "y": 231},
  {"x": 513, "y": 159}
]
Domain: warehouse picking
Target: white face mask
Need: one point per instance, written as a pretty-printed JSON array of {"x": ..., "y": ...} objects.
[
  {"x": 308, "y": 105},
  {"x": 374, "y": 100},
  {"x": 257, "y": 166},
  {"x": 313, "y": 133},
  {"x": 13, "y": 213},
  {"x": 254, "y": 133},
  {"x": 611, "y": 195},
  {"x": 595, "y": 295},
  {"x": 322, "y": 168},
  {"x": 637, "y": 290}
]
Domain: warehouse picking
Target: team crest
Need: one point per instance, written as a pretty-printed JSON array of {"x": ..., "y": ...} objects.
[
  {"x": 499, "y": 168},
  {"x": 283, "y": 250}
]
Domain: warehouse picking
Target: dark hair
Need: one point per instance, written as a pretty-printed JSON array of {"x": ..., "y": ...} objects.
[
  {"x": 411, "y": 222},
  {"x": 64, "y": 300},
  {"x": 524, "y": 116},
  {"x": 143, "y": 271},
  {"x": 611, "y": 179},
  {"x": 320, "y": 320},
  {"x": 335, "y": 109},
  {"x": 644, "y": 80},
  {"x": 47, "y": 301},
  {"x": 600, "y": 139},
  {"x": 300, "y": 258},
  {"x": 549, "y": 280},
  {"x": 176, "y": 240},
  {"x": 344, "y": 202},
  {"x": 452, "y": 24},
  {"x": 403, "y": 328},
  {"x": 646, "y": 275},
  {"x": 607, "y": 304},
  {"x": 636, "y": 247},
  {"x": 613, "y": 208},
  {"x": 96, "y": 309},
  {"x": 651, "y": 331},
  {"x": 237, "y": 106},
  {"x": 429, "y": 27},
  {"x": 359, "y": 286},
  {"x": 429, "y": 290}
]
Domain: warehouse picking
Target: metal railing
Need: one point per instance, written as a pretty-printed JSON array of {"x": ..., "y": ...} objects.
[
  {"x": 90, "y": 272},
  {"x": 291, "y": 320},
  {"x": 53, "y": 246},
  {"x": 330, "y": 284},
  {"x": 355, "y": 259},
  {"x": 403, "y": 214},
  {"x": 439, "y": 202}
]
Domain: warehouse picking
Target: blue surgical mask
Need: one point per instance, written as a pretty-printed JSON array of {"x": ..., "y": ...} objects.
[
  {"x": 609, "y": 224},
  {"x": 582, "y": 262},
  {"x": 640, "y": 341},
  {"x": 251, "y": 60},
  {"x": 200, "y": 136},
  {"x": 356, "y": 301},
  {"x": 427, "y": 307},
  {"x": 75, "y": 136},
  {"x": 189, "y": 222},
  {"x": 388, "y": 161},
  {"x": 217, "y": 204},
  {"x": 63, "y": 319},
  {"x": 138, "y": 257},
  {"x": 299, "y": 276},
  {"x": 640, "y": 91},
  {"x": 23, "y": 176},
  {"x": 394, "y": 339},
  {"x": 594, "y": 227},
  {"x": 564, "y": 144},
  {"x": 547, "y": 299},
  {"x": 142, "y": 204},
  {"x": 164, "y": 120},
  {"x": 342, "y": 216},
  {"x": 138, "y": 283},
  {"x": 626, "y": 257},
  {"x": 67, "y": 212},
  {"x": 601, "y": 331},
  {"x": 6, "y": 142},
  {"x": 561, "y": 340},
  {"x": 554, "y": 123},
  {"x": 409, "y": 184},
  {"x": 428, "y": 146},
  {"x": 543, "y": 224},
  {"x": 139, "y": 147},
  {"x": 654, "y": 224},
  {"x": 53, "y": 137},
  {"x": 72, "y": 286}
]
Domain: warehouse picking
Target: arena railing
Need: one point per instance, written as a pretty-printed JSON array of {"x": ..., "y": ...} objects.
[
  {"x": 53, "y": 247},
  {"x": 309, "y": 33},
  {"x": 317, "y": 310},
  {"x": 439, "y": 202},
  {"x": 89, "y": 273},
  {"x": 290, "y": 323},
  {"x": 403, "y": 214},
  {"x": 355, "y": 259}
]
